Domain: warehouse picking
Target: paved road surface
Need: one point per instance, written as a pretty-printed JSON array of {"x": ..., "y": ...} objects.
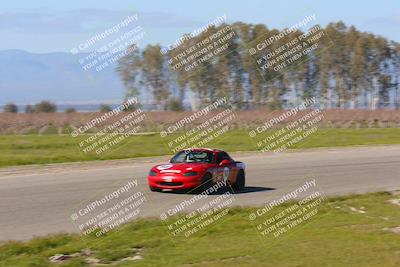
[{"x": 40, "y": 200}]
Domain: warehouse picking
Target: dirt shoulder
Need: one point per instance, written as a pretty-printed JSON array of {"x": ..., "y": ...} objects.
[{"x": 105, "y": 164}]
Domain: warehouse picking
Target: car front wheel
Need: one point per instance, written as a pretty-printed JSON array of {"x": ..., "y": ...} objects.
[
  {"x": 154, "y": 189},
  {"x": 240, "y": 182}
]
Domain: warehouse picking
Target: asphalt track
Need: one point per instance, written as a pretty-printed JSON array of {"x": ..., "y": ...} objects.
[{"x": 38, "y": 200}]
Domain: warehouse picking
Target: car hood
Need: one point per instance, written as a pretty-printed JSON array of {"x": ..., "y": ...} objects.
[{"x": 180, "y": 167}]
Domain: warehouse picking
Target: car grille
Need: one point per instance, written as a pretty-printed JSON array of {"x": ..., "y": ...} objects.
[{"x": 170, "y": 183}]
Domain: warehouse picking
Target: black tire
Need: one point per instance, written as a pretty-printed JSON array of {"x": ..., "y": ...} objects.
[
  {"x": 240, "y": 182},
  {"x": 154, "y": 189},
  {"x": 206, "y": 182}
]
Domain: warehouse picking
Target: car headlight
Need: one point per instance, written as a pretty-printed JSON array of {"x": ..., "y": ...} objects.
[
  {"x": 190, "y": 174},
  {"x": 152, "y": 173}
]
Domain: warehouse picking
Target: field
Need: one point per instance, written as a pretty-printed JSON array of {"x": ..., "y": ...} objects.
[
  {"x": 38, "y": 138},
  {"x": 358, "y": 230},
  {"x": 63, "y": 123},
  {"x": 53, "y": 148}
]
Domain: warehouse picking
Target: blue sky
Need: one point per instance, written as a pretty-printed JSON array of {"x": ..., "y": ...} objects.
[{"x": 50, "y": 26}]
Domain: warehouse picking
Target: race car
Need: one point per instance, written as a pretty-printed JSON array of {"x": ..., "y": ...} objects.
[{"x": 198, "y": 168}]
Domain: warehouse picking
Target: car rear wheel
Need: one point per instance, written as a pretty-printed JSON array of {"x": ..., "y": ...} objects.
[{"x": 240, "y": 182}]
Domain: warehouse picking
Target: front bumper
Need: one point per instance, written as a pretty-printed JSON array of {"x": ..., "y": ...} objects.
[{"x": 174, "y": 182}]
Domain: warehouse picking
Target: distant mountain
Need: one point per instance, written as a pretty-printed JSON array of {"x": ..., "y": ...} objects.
[{"x": 29, "y": 77}]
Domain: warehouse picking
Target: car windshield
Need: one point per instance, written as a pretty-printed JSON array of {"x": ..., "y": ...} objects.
[{"x": 193, "y": 156}]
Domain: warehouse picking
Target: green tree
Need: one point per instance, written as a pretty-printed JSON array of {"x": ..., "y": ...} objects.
[
  {"x": 45, "y": 106},
  {"x": 129, "y": 69},
  {"x": 385, "y": 83},
  {"x": 29, "y": 109},
  {"x": 174, "y": 105},
  {"x": 104, "y": 108},
  {"x": 349, "y": 69},
  {"x": 70, "y": 110},
  {"x": 396, "y": 63},
  {"x": 155, "y": 75},
  {"x": 358, "y": 74},
  {"x": 10, "y": 107}
]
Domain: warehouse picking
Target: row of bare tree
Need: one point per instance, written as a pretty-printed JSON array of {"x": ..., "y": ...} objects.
[{"x": 351, "y": 69}]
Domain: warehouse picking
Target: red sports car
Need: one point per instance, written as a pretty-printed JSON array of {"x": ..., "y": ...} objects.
[{"x": 197, "y": 168}]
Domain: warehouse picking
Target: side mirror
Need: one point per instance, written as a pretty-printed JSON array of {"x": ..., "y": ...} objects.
[{"x": 224, "y": 162}]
